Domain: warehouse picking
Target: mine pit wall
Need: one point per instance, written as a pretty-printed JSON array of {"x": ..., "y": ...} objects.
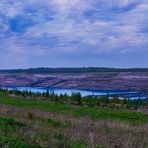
[{"x": 104, "y": 80}]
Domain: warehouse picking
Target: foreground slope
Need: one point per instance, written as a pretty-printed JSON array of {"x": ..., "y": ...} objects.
[{"x": 36, "y": 123}]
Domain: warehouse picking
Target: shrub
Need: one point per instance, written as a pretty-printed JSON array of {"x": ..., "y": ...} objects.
[{"x": 30, "y": 116}]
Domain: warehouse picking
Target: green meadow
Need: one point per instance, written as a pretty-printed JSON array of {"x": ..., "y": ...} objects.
[{"x": 28, "y": 123}]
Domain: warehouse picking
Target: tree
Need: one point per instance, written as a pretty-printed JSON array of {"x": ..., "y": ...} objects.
[
  {"x": 76, "y": 97},
  {"x": 47, "y": 93}
]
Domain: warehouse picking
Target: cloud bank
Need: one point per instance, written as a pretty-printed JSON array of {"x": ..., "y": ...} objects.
[{"x": 58, "y": 33}]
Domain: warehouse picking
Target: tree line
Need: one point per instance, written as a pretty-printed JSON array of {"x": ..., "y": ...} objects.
[
  {"x": 77, "y": 99},
  {"x": 74, "y": 70}
]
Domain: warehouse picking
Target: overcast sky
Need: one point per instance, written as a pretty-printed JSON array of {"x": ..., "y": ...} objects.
[{"x": 73, "y": 33}]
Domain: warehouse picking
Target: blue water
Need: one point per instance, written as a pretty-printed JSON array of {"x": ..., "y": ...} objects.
[{"x": 130, "y": 94}]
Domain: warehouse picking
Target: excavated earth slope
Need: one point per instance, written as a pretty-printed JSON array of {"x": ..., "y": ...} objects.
[{"x": 99, "y": 80}]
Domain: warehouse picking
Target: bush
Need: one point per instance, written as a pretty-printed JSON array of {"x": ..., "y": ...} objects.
[{"x": 30, "y": 116}]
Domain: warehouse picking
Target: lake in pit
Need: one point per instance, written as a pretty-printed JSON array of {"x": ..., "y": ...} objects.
[{"x": 121, "y": 93}]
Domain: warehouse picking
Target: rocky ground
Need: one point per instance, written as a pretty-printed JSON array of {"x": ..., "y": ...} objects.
[{"x": 98, "y": 80}]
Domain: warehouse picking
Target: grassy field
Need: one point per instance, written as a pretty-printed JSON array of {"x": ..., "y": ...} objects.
[{"x": 28, "y": 123}]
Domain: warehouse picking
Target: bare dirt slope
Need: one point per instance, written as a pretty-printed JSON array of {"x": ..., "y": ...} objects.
[{"x": 98, "y": 80}]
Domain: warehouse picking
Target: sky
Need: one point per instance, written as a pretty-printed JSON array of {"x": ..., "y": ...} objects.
[{"x": 73, "y": 33}]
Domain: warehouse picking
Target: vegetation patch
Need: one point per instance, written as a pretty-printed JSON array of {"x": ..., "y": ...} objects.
[
  {"x": 6, "y": 142},
  {"x": 58, "y": 123},
  {"x": 71, "y": 123},
  {"x": 95, "y": 113},
  {"x": 8, "y": 125}
]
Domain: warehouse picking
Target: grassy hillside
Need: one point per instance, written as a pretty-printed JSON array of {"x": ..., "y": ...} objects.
[
  {"x": 93, "y": 113},
  {"x": 34, "y": 123}
]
